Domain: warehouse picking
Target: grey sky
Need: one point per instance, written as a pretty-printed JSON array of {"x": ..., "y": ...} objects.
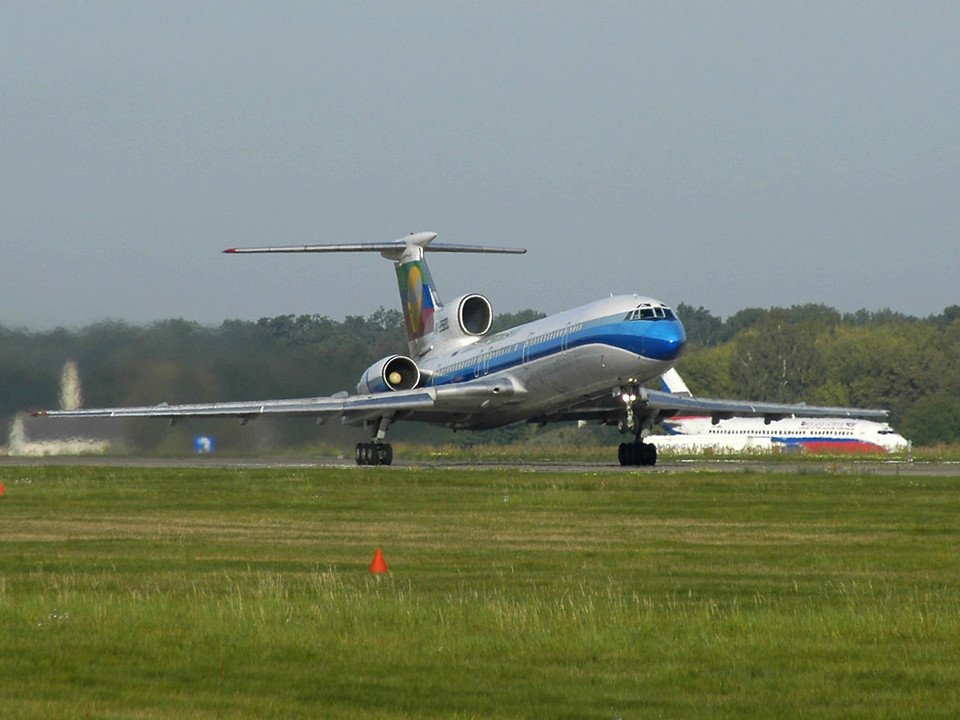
[{"x": 729, "y": 155}]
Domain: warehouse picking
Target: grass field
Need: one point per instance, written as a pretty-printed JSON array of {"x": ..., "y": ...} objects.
[{"x": 171, "y": 593}]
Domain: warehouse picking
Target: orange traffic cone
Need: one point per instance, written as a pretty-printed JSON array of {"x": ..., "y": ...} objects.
[
  {"x": 3, "y": 489},
  {"x": 379, "y": 565}
]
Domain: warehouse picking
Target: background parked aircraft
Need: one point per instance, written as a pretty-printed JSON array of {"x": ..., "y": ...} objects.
[{"x": 817, "y": 434}]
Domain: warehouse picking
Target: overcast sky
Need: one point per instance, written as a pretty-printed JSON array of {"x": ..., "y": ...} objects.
[{"x": 722, "y": 154}]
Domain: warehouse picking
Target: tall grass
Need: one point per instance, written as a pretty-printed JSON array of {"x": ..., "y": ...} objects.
[{"x": 195, "y": 593}]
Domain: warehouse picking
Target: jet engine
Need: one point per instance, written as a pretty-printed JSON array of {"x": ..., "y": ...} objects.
[
  {"x": 474, "y": 314},
  {"x": 394, "y": 372}
]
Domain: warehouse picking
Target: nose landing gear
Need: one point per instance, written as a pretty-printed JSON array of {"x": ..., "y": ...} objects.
[{"x": 637, "y": 452}]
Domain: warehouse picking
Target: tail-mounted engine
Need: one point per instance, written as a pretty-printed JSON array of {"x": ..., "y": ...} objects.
[
  {"x": 474, "y": 314},
  {"x": 394, "y": 372}
]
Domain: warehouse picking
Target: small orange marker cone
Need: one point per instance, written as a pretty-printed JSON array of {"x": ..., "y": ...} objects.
[
  {"x": 3, "y": 489},
  {"x": 379, "y": 565}
]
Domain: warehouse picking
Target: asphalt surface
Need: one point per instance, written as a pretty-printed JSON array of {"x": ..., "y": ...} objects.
[{"x": 836, "y": 467}]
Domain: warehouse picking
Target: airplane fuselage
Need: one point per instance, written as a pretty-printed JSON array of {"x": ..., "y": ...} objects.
[{"x": 559, "y": 361}]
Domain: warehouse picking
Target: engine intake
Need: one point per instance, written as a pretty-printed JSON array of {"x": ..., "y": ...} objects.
[
  {"x": 474, "y": 314},
  {"x": 394, "y": 372}
]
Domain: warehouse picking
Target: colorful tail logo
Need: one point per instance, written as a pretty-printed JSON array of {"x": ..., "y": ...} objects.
[{"x": 416, "y": 297}]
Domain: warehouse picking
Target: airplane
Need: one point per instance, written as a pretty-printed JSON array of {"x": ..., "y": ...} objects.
[
  {"x": 696, "y": 433},
  {"x": 588, "y": 363}
]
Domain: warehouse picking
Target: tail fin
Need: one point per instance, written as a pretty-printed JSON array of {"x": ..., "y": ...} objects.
[
  {"x": 423, "y": 312},
  {"x": 420, "y": 303},
  {"x": 673, "y": 383}
]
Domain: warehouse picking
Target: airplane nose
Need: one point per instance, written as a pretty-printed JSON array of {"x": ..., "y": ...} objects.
[{"x": 664, "y": 340}]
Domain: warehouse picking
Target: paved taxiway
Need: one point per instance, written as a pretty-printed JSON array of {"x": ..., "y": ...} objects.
[{"x": 830, "y": 467}]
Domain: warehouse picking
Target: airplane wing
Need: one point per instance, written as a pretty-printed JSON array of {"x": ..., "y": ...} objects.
[
  {"x": 672, "y": 403},
  {"x": 661, "y": 405},
  {"x": 352, "y": 408},
  {"x": 468, "y": 398}
]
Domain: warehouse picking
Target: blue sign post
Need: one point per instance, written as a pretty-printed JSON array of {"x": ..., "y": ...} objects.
[{"x": 203, "y": 445}]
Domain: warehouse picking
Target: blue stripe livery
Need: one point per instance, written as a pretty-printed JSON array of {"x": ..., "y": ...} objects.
[{"x": 654, "y": 339}]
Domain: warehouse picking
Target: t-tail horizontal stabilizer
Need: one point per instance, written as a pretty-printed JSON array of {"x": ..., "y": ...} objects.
[{"x": 391, "y": 250}]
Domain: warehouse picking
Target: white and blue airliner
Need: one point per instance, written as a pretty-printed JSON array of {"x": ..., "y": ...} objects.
[{"x": 589, "y": 363}]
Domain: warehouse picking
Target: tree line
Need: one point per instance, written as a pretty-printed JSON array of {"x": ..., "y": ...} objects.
[{"x": 810, "y": 353}]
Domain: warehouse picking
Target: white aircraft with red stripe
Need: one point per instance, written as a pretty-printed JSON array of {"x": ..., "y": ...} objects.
[
  {"x": 699, "y": 433},
  {"x": 817, "y": 435}
]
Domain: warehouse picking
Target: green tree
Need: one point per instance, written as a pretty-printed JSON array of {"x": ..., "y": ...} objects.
[
  {"x": 933, "y": 419},
  {"x": 776, "y": 360},
  {"x": 877, "y": 317},
  {"x": 704, "y": 329},
  {"x": 890, "y": 365},
  {"x": 742, "y": 320},
  {"x": 707, "y": 371}
]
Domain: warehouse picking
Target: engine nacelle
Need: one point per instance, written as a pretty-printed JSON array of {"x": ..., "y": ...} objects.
[
  {"x": 474, "y": 314},
  {"x": 394, "y": 372}
]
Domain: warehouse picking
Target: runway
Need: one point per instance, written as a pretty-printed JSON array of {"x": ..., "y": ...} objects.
[{"x": 829, "y": 467}]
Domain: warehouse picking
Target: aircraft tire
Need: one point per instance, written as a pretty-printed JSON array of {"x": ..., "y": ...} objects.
[
  {"x": 637, "y": 454},
  {"x": 383, "y": 453},
  {"x": 647, "y": 454},
  {"x": 366, "y": 454},
  {"x": 374, "y": 453}
]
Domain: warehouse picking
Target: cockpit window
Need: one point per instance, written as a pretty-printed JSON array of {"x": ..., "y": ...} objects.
[{"x": 646, "y": 311}]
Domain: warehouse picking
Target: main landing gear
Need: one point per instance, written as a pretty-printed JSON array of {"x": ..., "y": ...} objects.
[
  {"x": 637, "y": 453},
  {"x": 374, "y": 453}
]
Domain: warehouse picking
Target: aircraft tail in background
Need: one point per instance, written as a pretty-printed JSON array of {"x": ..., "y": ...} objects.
[{"x": 673, "y": 383}]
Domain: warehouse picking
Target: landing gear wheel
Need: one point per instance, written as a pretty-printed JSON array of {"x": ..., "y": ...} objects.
[
  {"x": 374, "y": 453},
  {"x": 365, "y": 454},
  {"x": 384, "y": 453},
  {"x": 637, "y": 453},
  {"x": 648, "y": 454}
]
